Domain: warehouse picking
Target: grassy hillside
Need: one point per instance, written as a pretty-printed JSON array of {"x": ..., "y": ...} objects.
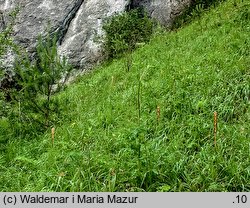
[{"x": 150, "y": 128}]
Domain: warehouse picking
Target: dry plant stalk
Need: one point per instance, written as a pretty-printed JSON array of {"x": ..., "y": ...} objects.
[
  {"x": 215, "y": 126},
  {"x": 112, "y": 80},
  {"x": 52, "y": 136},
  {"x": 158, "y": 113}
]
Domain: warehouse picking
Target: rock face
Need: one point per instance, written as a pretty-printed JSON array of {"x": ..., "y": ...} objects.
[
  {"x": 79, "y": 43},
  {"x": 162, "y": 10},
  {"x": 78, "y": 22}
]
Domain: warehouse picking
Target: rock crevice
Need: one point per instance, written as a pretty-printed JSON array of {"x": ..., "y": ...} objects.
[{"x": 62, "y": 30}]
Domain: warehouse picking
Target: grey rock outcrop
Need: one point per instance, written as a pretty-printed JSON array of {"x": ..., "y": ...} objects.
[
  {"x": 162, "y": 10},
  {"x": 78, "y": 22},
  {"x": 79, "y": 44}
]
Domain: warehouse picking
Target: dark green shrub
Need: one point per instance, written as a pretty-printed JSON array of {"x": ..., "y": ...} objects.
[
  {"x": 27, "y": 98},
  {"x": 194, "y": 10},
  {"x": 124, "y": 30},
  {"x": 205, "y": 3},
  {"x": 38, "y": 83}
]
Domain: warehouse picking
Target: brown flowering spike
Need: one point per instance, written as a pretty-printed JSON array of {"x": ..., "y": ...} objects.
[
  {"x": 52, "y": 135},
  {"x": 112, "y": 80}
]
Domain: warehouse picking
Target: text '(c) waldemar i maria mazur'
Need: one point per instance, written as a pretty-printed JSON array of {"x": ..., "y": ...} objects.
[{"x": 78, "y": 199}]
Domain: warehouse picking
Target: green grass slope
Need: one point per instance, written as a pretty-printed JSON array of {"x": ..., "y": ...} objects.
[{"x": 151, "y": 128}]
